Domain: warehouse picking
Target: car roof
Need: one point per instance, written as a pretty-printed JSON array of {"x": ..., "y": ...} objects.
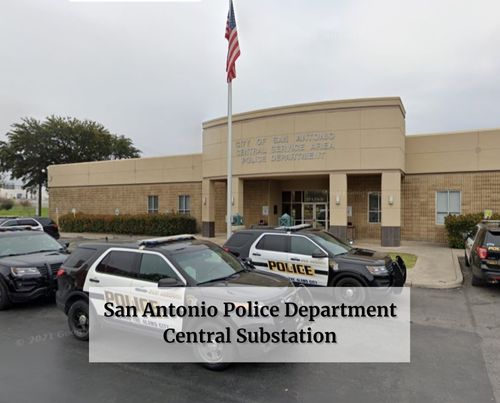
[
  {"x": 491, "y": 225},
  {"x": 166, "y": 248}
]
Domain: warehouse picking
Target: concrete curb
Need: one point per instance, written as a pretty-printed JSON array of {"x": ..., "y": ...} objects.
[{"x": 456, "y": 283}]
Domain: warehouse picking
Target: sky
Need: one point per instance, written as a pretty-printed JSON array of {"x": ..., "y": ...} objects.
[{"x": 154, "y": 71}]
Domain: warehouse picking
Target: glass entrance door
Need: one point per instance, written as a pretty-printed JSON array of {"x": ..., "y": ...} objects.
[{"x": 315, "y": 214}]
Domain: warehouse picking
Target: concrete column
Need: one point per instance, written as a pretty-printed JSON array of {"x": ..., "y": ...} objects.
[
  {"x": 338, "y": 205},
  {"x": 208, "y": 208},
  {"x": 391, "y": 209}
]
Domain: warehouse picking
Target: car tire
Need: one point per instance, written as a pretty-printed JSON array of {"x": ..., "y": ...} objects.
[
  {"x": 467, "y": 263},
  {"x": 78, "y": 320},
  {"x": 476, "y": 281},
  {"x": 4, "y": 297},
  {"x": 216, "y": 357},
  {"x": 350, "y": 290}
]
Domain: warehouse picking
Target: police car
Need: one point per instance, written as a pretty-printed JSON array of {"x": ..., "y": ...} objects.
[
  {"x": 315, "y": 257},
  {"x": 178, "y": 261}
]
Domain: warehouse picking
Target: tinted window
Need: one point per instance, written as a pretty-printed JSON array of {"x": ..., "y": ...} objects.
[
  {"x": 275, "y": 243},
  {"x": 31, "y": 223},
  {"x": 492, "y": 239},
  {"x": 330, "y": 243},
  {"x": 119, "y": 263},
  {"x": 10, "y": 223},
  {"x": 239, "y": 239},
  {"x": 154, "y": 268},
  {"x": 79, "y": 257},
  {"x": 302, "y": 246}
]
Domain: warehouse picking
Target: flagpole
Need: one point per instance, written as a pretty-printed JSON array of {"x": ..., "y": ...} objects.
[{"x": 229, "y": 158}]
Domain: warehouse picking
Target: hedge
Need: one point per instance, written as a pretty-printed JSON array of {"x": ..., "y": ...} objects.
[
  {"x": 139, "y": 224},
  {"x": 457, "y": 225}
]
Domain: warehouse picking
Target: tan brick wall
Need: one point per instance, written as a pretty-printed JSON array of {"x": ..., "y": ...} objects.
[
  {"x": 220, "y": 206},
  {"x": 358, "y": 187},
  {"x": 130, "y": 199},
  {"x": 479, "y": 191}
]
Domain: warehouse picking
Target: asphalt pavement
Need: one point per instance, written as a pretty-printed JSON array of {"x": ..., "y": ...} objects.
[{"x": 455, "y": 357}]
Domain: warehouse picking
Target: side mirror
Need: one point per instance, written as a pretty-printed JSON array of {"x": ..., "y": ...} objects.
[
  {"x": 319, "y": 254},
  {"x": 465, "y": 235},
  {"x": 247, "y": 262},
  {"x": 169, "y": 282}
]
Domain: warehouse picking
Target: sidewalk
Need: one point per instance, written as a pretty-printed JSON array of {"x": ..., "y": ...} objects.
[{"x": 437, "y": 266}]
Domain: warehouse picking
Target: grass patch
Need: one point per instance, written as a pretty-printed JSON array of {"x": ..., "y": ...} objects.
[
  {"x": 408, "y": 258},
  {"x": 21, "y": 211}
]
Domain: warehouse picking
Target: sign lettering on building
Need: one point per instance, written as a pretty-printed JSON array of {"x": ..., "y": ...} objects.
[{"x": 283, "y": 148}]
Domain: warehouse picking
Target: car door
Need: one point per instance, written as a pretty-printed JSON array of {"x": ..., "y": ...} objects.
[
  {"x": 153, "y": 267},
  {"x": 270, "y": 252},
  {"x": 307, "y": 269},
  {"x": 115, "y": 268}
]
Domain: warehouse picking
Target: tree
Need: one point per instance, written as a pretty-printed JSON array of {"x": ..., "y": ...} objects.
[{"x": 33, "y": 145}]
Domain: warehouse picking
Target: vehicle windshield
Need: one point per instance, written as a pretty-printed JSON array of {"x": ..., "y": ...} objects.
[
  {"x": 330, "y": 243},
  {"x": 207, "y": 263},
  {"x": 26, "y": 244}
]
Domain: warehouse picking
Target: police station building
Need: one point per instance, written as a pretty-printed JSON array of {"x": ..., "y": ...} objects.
[{"x": 346, "y": 166}]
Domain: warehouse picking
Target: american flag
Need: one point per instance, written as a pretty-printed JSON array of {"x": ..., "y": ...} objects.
[{"x": 233, "y": 51}]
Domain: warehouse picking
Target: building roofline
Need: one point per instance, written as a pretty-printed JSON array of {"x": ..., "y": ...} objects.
[
  {"x": 453, "y": 132},
  {"x": 131, "y": 159},
  {"x": 310, "y": 107}
]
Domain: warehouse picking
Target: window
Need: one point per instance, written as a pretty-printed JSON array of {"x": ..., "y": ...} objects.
[
  {"x": 152, "y": 204},
  {"x": 275, "y": 243},
  {"x": 154, "y": 268},
  {"x": 302, "y": 246},
  {"x": 447, "y": 203},
  {"x": 28, "y": 223},
  {"x": 79, "y": 257},
  {"x": 119, "y": 263},
  {"x": 374, "y": 206},
  {"x": 184, "y": 204}
]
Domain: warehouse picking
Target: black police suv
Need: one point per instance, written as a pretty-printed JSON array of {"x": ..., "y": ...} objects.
[
  {"x": 29, "y": 261},
  {"x": 482, "y": 252},
  {"x": 315, "y": 257}
]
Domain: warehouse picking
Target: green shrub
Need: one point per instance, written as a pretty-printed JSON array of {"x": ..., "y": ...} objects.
[
  {"x": 140, "y": 224},
  {"x": 6, "y": 204},
  {"x": 457, "y": 225}
]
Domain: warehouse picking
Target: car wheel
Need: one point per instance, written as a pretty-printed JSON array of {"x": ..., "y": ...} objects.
[
  {"x": 476, "y": 281},
  {"x": 467, "y": 263},
  {"x": 78, "y": 320},
  {"x": 214, "y": 356},
  {"x": 350, "y": 290},
  {"x": 4, "y": 297}
]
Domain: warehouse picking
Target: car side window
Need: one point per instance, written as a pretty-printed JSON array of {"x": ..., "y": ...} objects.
[
  {"x": 153, "y": 268},
  {"x": 119, "y": 263},
  {"x": 274, "y": 243},
  {"x": 31, "y": 223},
  {"x": 10, "y": 223},
  {"x": 302, "y": 246}
]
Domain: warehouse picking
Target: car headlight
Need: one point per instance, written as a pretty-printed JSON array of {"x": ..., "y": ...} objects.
[
  {"x": 377, "y": 270},
  {"x": 24, "y": 271}
]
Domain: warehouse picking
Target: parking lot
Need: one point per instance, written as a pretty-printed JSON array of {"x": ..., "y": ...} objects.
[{"x": 455, "y": 357}]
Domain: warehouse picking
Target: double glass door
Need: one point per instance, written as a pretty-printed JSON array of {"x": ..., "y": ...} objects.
[{"x": 315, "y": 214}]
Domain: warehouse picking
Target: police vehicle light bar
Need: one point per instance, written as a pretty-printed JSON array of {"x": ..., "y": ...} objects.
[
  {"x": 295, "y": 227},
  {"x": 165, "y": 240}
]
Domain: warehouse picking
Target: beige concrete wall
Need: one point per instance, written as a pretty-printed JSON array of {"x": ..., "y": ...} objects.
[
  {"x": 453, "y": 152},
  {"x": 480, "y": 191},
  {"x": 129, "y": 199},
  {"x": 174, "y": 169},
  {"x": 358, "y": 187},
  {"x": 365, "y": 134}
]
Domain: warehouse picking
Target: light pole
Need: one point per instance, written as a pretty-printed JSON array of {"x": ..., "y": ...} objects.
[{"x": 40, "y": 192}]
